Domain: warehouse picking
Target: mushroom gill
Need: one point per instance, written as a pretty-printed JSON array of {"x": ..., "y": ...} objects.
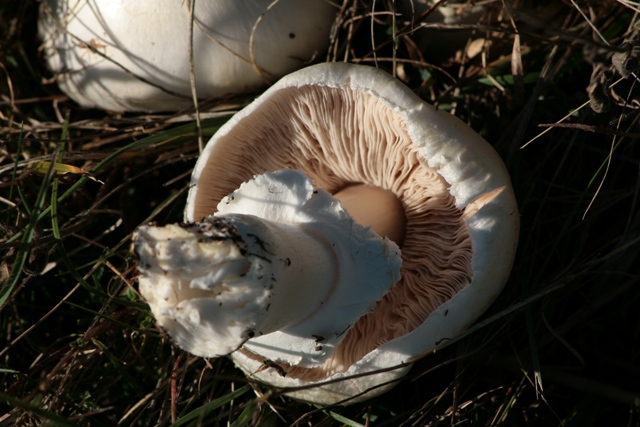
[{"x": 342, "y": 138}]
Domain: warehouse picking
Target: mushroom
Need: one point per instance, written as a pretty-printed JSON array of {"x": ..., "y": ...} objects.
[
  {"x": 134, "y": 55},
  {"x": 409, "y": 172}
]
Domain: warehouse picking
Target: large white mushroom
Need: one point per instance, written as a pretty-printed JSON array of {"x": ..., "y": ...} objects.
[
  {"x": 135, "y": 55},
  {"x": 410, "y": 172}
]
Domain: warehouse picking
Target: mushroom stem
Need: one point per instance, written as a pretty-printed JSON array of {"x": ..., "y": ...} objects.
[
  {"x": 279, "y": 257},
  {"x": 375, "y": 207},
  {"x": 246, "y": 275}
]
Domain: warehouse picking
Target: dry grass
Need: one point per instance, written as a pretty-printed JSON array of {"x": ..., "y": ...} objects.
[{"x": 561, "y": 346}]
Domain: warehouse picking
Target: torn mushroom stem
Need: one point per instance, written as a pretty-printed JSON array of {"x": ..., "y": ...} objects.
[
  {"x": 279, "y": 261},
  {"x": 247, "y": 275}
]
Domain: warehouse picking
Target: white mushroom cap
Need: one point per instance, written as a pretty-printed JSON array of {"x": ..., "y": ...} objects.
[
  {"x": 148, "y": 41},
  {"x": 343, "y": 125},
  {"x": 280, "y": 261}
]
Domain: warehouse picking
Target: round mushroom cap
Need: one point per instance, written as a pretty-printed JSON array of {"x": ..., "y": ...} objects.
[
  {"x": 134, "y": 55},
  {"x": 344, "y": 125}
]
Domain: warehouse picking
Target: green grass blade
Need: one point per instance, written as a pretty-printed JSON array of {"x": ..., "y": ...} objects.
[
  {"x": 114, "y": 321},
  {"x": 14, "y": 173},
  {"x": 344, "y": 420},
  {"x": 205, "y": 409},
  {"x": 245, "y": 417},
  {"x": 210, "y": 127},
  {"x": 27, "y": 237},
  {"x": 57, "y": 420}
]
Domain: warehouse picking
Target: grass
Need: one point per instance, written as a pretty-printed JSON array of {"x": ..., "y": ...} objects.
[{"x": 561, "y": 345}]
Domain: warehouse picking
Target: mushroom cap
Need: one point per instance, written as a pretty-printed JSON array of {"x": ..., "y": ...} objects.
[
  {"x": 143, "y": 41},
  {"x": 344, "y": 124}
]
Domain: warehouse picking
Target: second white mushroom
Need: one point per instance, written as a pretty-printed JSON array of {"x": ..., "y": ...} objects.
[{"x": 134, "y": 55}]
